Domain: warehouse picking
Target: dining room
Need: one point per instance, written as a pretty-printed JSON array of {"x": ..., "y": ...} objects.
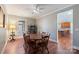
[
  {"x": 32, "y": 29},
  {"x": 40, "y": 29},
  {"x": 19, "y": 27}
]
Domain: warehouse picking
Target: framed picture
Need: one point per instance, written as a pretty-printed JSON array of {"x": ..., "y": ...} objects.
[{"x": 2, "y": 18}]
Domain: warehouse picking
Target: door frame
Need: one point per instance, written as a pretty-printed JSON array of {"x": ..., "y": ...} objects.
[{"x": 72, "y": 30}]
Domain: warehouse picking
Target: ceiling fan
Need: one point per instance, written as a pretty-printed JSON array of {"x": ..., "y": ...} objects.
[{"x": 37, "y": 9}]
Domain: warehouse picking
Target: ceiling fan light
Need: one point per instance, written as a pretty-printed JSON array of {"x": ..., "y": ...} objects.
[{"x": 35, "y": 11}]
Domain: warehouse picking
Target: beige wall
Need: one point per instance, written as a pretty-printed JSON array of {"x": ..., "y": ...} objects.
[
  {"x": 2, "y": 30},
  {"x": 2, "y": 38},
  {"x": 1, "y": 17},
  {"x": 76, "y": 27},
  {"x": 48, "y": 24}
]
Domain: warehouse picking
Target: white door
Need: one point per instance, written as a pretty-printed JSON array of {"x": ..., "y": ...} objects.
[
  {"x": 20, "y": 31},
  {"x": 20, "y": 28}
]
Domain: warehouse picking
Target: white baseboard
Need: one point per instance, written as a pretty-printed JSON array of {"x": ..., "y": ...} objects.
[
  {"x": 76, "y": 47},
  {"x": 53, "y": 40},
  {"x": 4, "y": 47}
]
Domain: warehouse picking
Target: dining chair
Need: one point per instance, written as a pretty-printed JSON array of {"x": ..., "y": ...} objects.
[
  {"x": 32, "y": 46},
  {"x": 46, "y": 39},
  {"x": 38, "y": 46},
  {"x": 26, "y": 38},
  {"x": 43, "y": 44}
]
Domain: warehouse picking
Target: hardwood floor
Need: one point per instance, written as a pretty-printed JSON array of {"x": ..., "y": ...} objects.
[
  {"x": 16, "y": 47},
  {"x": 65, "y": 43}
]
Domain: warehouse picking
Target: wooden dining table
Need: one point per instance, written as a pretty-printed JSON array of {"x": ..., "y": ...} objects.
[
  {"x": 35, "y": 39},
  {"x": 36, "y": 36}
]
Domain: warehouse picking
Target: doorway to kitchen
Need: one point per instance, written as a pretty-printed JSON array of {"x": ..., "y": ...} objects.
[{"x": 65, "y": 31}]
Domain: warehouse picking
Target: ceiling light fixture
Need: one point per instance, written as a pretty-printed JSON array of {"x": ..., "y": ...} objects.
[{"x": 36, "y": 9}]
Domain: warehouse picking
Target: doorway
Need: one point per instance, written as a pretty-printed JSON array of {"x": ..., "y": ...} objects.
[
  {"x": 65, "y": 31},
  {"x": 20, "y": 28}
]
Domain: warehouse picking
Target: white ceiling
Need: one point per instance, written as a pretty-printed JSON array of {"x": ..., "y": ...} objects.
[{"x": 26, "y": 10}]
